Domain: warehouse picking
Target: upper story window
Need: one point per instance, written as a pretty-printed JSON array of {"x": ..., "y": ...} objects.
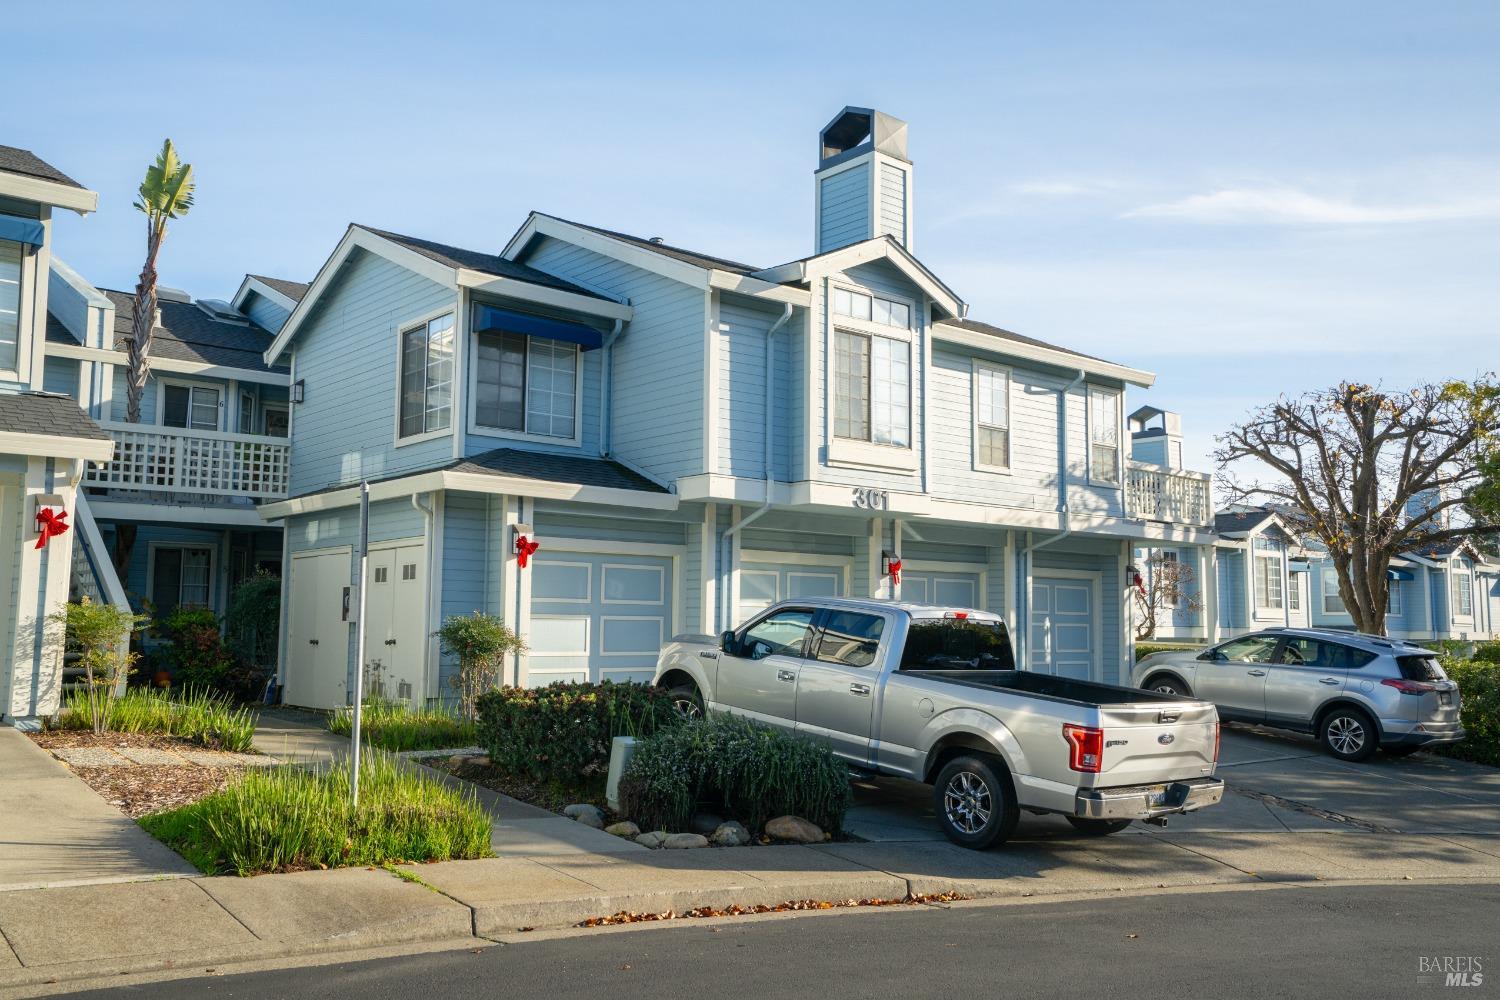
[
  {"x": 1267, "y": 581},
  {"x": 991, "y": 416},
  {"x": 1104, "y": 436},
  {"x": 195, "y": 407},
  {"x": 1463, "y": 595},
  {"x": 1393, "y": 598},
  {"x": 526, "y": 384},
  {"x": 871, "y": 308},
  {"x": 10, "y": 305},
  {"x": 872, "y": 389},
  {"x": 427, "y": 376},
  {"x": 1333, "y": 601},
  {"x": 1294, "y": 591}
]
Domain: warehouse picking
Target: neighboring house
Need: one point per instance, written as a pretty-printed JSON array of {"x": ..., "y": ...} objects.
[
  {"x": 46, "y": 443},
  {"x": 1156, "y": 441},
  {"x": 1263, "y": 575},
  {"x": 689, "y": 439}
]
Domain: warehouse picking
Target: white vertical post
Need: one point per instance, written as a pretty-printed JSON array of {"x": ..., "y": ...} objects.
[{"x": 359, "y": 639}]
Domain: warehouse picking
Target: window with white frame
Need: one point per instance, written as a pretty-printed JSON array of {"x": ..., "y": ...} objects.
[
  {"x": 1393, "y": 597},
  {"x": 10, "y": 304},
  {"x": 526, "y": 384},
  {"x": 1294, "y": 591},
  {"x": 427, "y": 377},
  {"x": 195, "y": 407},
  {"x": 871, "y": 308},
  {"x": 872, "y": 389},
  {"x": 247, "y": 413},
  {"x": 181, "y": 576},
  {"x": 991, "y": 416},
  {"x": 1104, "y": 435},
  {"x": 1268, "y": 582},
  {"x": 1333, "y": 601},
  {"x": 1463, "y": 595}
]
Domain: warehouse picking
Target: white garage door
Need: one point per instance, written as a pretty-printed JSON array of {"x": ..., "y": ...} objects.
[
  {"x": 763, "y": 583},
  {"x": 395, "y": 633},
  {"x": 317, "y": 645},
  {"x": 597, "y": 616},
  {"x": 1063, "y": 631},
  {"x": 944, "y": 587}
]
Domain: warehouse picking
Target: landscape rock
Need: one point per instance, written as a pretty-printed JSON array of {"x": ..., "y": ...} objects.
[
  {"x": 684, "y": 841},
  {"x": 588, "y": 815},
  {"x": 705, "y": 823},
  {"x": 794, "y": 828},
  {"x": 652, "y": 838},
  {"x": 732, "y": 834},
  {"x": 479, "y": 760},
  {"x": 624, "y": 828}
]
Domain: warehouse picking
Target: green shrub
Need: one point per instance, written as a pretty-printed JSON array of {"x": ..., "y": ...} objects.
[
  {"x": 1145, "y": 649},
  {"x": 393, "y": 726},
  {"x": 252, "y": 619},
  {"x": 100, "y": 635},
  {"x": 480, "y": 642},
  {"x": 195, "y": 653},
  {"x": 562, "y": 732},
  {"x": 733, "y": 767},
  {"x": 1488, "y": 652},
  {"x": 1479, "y": 688},
  {"x": 204, "y": 717},
  {"x": 289, "y": 818}
]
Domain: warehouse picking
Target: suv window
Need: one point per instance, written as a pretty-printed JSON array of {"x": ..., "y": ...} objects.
[
  {"x": 1323, "y": 655},
  {"x": 783, "y": 634},
  {"x": 849, "y": 637},
  {"x": 957, "y": 644},
  {"x": 1249, "y": 649},
  {"x": 1421, "y": 668}
]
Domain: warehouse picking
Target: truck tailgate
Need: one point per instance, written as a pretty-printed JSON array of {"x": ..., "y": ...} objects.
[{"x": 1169, "y": 741}]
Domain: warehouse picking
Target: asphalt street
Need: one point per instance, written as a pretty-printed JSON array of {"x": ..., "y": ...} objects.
[{"x": 1309, "y": 941}]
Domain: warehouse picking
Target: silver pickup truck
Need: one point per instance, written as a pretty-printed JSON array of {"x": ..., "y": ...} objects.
[{"x": 932, "y": 694}]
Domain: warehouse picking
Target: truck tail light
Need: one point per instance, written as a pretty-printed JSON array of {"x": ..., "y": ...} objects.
[
  {"x": 960, "y": 615},
  {"x": 1085, "y": 747},
  {"x": 1218, "y": 728},
  {"x": 1410, "y": 687}
]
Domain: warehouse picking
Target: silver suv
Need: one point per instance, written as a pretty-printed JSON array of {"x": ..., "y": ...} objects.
[{"x": 1355, "y": 692}]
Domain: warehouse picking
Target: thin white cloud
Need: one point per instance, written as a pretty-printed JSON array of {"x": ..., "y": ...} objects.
[
  {"x": 1287, "y": 206},
  {"x": 1063, "y": 188}
]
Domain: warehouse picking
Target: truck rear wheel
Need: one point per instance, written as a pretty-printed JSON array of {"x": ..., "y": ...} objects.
[
  {"x": 976, "y": 802},
  {"x": 1097, "y": 827}
]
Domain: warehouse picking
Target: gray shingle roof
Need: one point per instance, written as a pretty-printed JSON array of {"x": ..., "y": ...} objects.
[
  {"x": 46, "y": 413},
  {"x": 28, "y": 164},
  {"x": 665, "y": 249},
  {"x": 293, "y": 290},
  {"x": 476, "y": 260},
  {"x": 1235, "y": 521},
  {"x": 974, "y": 326},
  {"x": 556, "y": 469},
  {"x": 187, "y": 333}
]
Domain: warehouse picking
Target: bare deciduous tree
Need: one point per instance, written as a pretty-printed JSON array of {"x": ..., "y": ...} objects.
[
  {"x": 1166, "y": 585},
  {"x": 1342, "y": 466}
]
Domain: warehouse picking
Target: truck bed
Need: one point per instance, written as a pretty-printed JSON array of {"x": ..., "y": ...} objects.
[{"x": 1048, "y": 686}]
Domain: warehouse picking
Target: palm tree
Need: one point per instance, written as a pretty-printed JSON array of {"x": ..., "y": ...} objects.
[{"x": 165, "y": 194}]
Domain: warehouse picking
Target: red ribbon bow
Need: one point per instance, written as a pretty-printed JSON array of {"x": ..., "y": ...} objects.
[
  {"x": 50, "y": 523},
  {"x": 524, "y": 548},
  {"x": 894, "y": 565}
]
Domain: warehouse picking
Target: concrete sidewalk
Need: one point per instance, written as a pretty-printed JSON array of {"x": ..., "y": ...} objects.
[{"x": 55, "y": 830}]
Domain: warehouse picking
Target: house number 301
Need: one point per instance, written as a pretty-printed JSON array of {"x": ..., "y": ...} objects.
[{"x": 867, "y": 499}]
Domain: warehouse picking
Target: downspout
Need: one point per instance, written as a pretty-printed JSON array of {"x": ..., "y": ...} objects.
[
  {"x": 606, "y": 392},
  {"x": 1023, "y": 634},
  {"x": 429, "y": 516},
  {"x": 727, "y": 601}
]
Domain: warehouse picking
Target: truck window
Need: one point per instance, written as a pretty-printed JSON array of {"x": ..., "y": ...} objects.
[
  {"x": 850, "y": 638},
  {"x": 957, "y": 644},
  {"x": 783, "y": 634}
]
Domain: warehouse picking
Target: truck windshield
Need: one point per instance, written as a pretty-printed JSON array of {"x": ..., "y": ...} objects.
[{"x": 957, "y": 644}]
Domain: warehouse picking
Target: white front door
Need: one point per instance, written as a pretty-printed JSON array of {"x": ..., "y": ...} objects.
[
  {"x": 1063, "y": 628},
  {"x": 317, "y": 645},
  {"x": 395, "y": 643}
]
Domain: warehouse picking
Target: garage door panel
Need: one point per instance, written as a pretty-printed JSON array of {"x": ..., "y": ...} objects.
[
  {"x": 634, "y": 584},
  {"x": 762, "y": 584},
  {"x": 561, "y": 581},
  {"x": 627, "y": 636},
  {"x": 554, "y": 635},
  {"x": 597, "y": 615},
  {"x": 943, "y": 587}
]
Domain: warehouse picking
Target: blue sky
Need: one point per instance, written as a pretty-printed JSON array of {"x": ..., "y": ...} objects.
[{"x": 1246, "y": 199}]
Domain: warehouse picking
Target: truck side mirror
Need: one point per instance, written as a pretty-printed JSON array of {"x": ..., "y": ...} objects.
[{"x": 727, "y": 642}]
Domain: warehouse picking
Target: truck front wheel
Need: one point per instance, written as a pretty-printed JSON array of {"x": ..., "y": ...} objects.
[{"x": 976, "y": 803}]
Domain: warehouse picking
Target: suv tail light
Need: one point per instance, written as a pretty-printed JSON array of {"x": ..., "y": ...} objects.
[
  {"x": 1085, "y": 747},
  {"x": 1410, "y": 687}
]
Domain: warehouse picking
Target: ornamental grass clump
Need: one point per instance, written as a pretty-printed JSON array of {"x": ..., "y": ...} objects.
[
  {"x": 397, "y": 727},
  {"x": 204, "y": 717},
  {"x": 291, "y": 818},
  {"x": 733, "y": 767}
]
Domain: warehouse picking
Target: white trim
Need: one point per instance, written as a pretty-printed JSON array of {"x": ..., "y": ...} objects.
[
  {"x": 159, "y": 364},
  {"x": 744, "y": 285},
  {"x": 56, "y": 446},
  {"x": 849, "y": 453},
  {"x": 608, "y": 547},
  {"x": 221, "y": 418},
  {"x": 660, "y": 571},
  {"x": 711, "y": 375},
  {"x": 788, "y": 560},
  {"x": 537, "y": 224},
  {"x": 23, "y": 188},
  {"x": 975, "y": 365},
  {"x": 708, "y": 582},
  {"x": 661, "y": 631},
  {"x": 1056, "y": 357},
  {"x": 208, "y": 515},
  {"x": 152, "y": 548},
  {"x": 588, "y": 580},
  {"x": 876, "y": 248},
  {"x": 253, "y": 284},
  {"x": 559, "y": 298},
  {"x": 1088, "y": 434},
  {"x": 402, "y": 328}
]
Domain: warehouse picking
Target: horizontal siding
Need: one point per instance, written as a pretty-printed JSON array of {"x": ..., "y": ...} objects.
[
  {"x": 347, "y": 353},
  {"x": 892, "y": 196},
  {"x": 389, "y": 520},
  {"x": 844, "y": 207},
  {"x": 658, "y": 361},
  {"x": 741, "y": 395},
  {"x": 265, "y": 312},
  {"x": 60, "y": 375}
]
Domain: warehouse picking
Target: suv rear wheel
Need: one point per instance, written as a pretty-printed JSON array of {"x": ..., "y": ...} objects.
[
  {"x": 1163, "y": 684},
  {"x": 976, "y": 802},
  {"x": 1349, "y": 734}
]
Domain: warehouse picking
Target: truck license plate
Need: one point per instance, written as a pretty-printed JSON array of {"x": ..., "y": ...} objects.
[{"x": 1158, "y": 797}]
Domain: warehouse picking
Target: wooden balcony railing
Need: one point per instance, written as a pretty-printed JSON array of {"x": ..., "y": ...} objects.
[
  {"x": 211, "y": 463},
  {"x": 1176, "y": 497}
]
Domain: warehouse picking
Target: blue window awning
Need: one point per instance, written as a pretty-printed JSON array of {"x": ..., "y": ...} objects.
[
  {"x": 1399, "y": 574},
  {"x": 19, "y": 230},
  {"x": 492, "y": 319},
  {"x": 1298, "y": 567}
]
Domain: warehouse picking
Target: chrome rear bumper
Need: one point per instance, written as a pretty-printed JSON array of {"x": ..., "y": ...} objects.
[{"x": 1146, "y": 801}]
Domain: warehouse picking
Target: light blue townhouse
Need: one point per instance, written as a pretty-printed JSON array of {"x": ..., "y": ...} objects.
[
  {"x": 175, "y": 509},
  {"x": 46, "y": 443},
  {"x": 606, "y": 440}
]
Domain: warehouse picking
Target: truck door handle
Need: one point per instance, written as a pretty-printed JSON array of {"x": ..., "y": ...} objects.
[
  {"x": 860, "y": 689},
  {"x": 312, "y": 642},
  {"x": 1328, "y": 680},
  {"x": 786, "y": 675},
  {"x": 1257, "y": 673}
]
